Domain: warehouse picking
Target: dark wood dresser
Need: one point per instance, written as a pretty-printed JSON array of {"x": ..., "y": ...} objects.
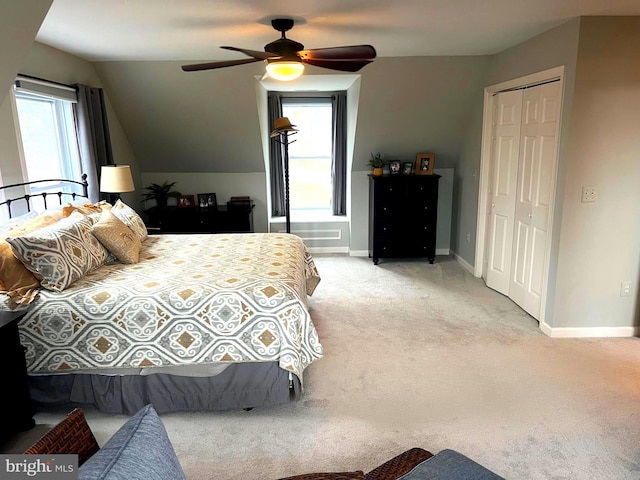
[
  {"x": 220, "y": 219},
  {"x": 402, "y": 216},
  {"x": 16, "y": 409}
]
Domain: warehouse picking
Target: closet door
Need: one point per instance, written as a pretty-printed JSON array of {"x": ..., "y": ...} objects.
[
  {"x": 536, "y": 178},
  {"x": 504, "y": 175}
]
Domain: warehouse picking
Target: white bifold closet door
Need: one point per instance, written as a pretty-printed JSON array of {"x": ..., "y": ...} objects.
[{"x": 522, "y": 182}]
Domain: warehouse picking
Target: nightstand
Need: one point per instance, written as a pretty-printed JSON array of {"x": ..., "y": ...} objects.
[{"x": 16, "y": 408}]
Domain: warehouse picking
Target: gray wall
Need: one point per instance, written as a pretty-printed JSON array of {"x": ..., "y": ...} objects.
[
  {"x": 599, "y": 245},
  {"x": 203, "y": 128},
  {"x": 595, "y": 246},
  {"x": 208, "y": 122},
  {"x": 408, "y": 106}
]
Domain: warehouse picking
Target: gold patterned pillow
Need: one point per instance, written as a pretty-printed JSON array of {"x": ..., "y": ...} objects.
[
  {"x": 116, "y": 237},
  {"x": 130, "y": 218},
  {"x": 60, "y": 254}
]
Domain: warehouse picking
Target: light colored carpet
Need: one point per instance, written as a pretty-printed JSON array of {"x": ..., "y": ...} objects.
[{"x": 424, "y": 355}]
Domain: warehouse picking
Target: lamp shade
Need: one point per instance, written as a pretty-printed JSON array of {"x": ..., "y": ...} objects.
[
  {"x": 116, "y": 179},
  {"x": 284, "y": 71}
]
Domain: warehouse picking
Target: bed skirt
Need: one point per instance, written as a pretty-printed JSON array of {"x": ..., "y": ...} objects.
[{"x": 241, "y": 385}]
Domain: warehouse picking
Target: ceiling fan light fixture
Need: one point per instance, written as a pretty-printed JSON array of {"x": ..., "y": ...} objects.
[{"x": 285, "y": 70}]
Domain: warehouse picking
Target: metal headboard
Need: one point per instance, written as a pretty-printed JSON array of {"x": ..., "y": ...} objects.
[{"x": 27, "y": 197}]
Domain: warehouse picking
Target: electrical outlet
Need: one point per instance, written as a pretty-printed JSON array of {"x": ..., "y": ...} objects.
[
  {"x": 468, "y": 237},
  {"x": 625, "y": 288},
  {"x": 588, "y": 193}
]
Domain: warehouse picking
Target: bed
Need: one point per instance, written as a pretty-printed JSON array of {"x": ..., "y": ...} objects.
[{"x": 200, "y": 322}]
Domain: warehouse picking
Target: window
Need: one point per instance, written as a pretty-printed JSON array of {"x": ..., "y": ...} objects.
[
  {"x": 310, "y": 156},
  {"x": 48, "y": 134}
]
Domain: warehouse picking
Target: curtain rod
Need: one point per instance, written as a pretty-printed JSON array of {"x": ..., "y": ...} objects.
[{"x": 31, "y": 77}]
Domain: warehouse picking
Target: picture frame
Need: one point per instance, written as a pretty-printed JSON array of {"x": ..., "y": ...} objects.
[
  {"x": 424, "y": 163},
  {"x": 394, "y": 167},
  {"x": 186, "y": 201},
  {"x": 407, "y": 168},
  {"x": 207, "y": 200}
]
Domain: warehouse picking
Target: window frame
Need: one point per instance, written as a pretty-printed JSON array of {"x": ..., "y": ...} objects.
[
  {"x": 309, "y": 100},
  {"x": 62, "y": 99}
]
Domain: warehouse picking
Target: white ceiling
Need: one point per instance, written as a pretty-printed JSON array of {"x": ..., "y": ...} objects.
[{"x": 99, "y": 30}]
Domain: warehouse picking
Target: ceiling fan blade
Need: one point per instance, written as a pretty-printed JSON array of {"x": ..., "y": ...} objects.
[
  {"x": 253, "y": 53},
  {"x": 342, "y": 65},
  {"x": 210, "y": 66},
  {"x": 353, "y": 52}
]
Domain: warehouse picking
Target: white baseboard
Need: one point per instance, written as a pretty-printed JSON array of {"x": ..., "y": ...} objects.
[
  {"x": 589, "y": 332},
  {"x": 313, "y": 250},
  {"x": 358, "y": 253},
  {"x": 442, "y": 251},
  {"x": 466, "y": 265}
]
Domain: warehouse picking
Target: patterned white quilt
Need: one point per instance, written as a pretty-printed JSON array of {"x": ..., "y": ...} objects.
[{"x": 192, "y": 299}]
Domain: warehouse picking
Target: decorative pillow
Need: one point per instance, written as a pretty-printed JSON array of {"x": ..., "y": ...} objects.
[
  {"x": 60, "y": 254},
  {"x": 141, "y": 449},
  {"x": 117, "y": 237},
  {"x": 130, "y": 218},
  {"x": 16, "y": 280}
]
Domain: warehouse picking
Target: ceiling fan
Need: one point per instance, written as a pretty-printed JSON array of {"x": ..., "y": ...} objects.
[{"x": 286, "y": 58}]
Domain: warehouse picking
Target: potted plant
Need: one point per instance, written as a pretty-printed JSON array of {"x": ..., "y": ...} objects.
[
  {"x": 378, "y": 163},
  {"x": 161, "y": 193}
]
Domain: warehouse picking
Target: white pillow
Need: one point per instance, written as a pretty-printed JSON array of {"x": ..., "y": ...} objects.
[{"x": 130, "y": 218}]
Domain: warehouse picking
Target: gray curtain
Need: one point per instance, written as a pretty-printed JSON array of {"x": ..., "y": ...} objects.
[
  {"x": 339, "y": 167},
  {"x": 274, "y": 107},
  {"x": 94, "y": 140}
]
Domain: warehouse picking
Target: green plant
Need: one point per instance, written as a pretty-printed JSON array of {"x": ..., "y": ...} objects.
[
  {"x": 161, "y": 193},
  {"x": 377, "y": 161}
]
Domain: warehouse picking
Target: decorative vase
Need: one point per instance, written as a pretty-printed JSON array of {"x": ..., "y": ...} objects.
[{"x": 377, "y": 171}]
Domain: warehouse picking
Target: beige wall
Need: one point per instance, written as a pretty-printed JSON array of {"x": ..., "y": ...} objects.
[{"x": 600, "y": 242}]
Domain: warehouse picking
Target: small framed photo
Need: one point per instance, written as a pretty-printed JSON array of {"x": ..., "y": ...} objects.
[
  {"x": 394, "y": 167},
  {"x": 186, "y": 201},
  {"x": 424, "y": 163},
  {"x": 407, "y": 168},
  {"x": 207, "y": 200}
]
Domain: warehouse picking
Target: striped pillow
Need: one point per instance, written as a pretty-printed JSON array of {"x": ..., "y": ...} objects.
[{"x": 60, "y": 254}]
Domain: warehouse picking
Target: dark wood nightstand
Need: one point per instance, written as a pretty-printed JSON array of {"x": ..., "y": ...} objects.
[
  {"x": 220, "y": 219},
  {"x": 16, "y": 408}
]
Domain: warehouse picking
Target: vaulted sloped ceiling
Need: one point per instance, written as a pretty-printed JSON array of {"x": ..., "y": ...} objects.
[
  {"x": 188, "y": 122},
  {"x": 19, "y": 24},
  {"x": 208, "y": 121}
]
